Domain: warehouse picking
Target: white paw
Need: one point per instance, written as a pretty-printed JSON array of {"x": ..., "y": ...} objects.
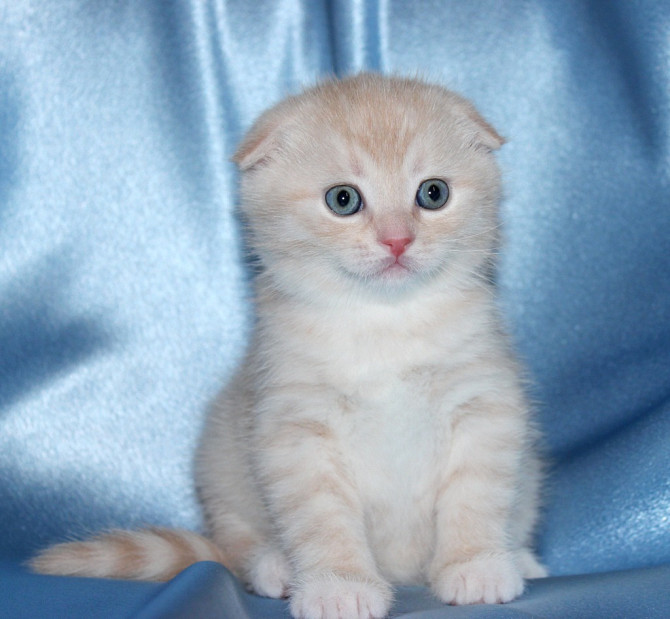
[
  {"x": 332, "y": 596},
  {"x": 486, "y": 580},
  {"x": 270, "y": 575}
]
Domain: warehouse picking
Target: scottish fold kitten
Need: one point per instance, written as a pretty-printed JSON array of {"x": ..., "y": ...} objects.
[{"x": 377, "y": 431}]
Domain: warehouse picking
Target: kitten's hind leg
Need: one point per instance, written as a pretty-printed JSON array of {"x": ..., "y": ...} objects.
[
  {"x": 269, "y": 573},
  {"x": 525, "y": 515},
  {"x": 530, "y": 566},
  {"x": 253, "y": 556}
]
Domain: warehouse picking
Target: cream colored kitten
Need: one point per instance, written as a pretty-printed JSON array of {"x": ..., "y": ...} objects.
[{"x": 377, "y": 431}]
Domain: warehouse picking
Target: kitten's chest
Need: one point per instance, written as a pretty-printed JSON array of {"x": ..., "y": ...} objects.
[
  {"x": 394, "y": 441},
  {"x": 391, "y": 376},
  {"x": 394, "y": 450}
]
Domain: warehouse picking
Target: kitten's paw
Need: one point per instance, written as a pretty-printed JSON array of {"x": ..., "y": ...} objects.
[
  {"x": 485, "y": 580},
  {"x": 270, "y": 575},
  {"x": 333, "y": 596},
  {"x": 530, "y": 566}
]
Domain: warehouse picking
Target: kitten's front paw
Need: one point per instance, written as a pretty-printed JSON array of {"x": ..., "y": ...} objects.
[
  {"x": 485, "y": 580},
  {"x": 334, "y": 596}
]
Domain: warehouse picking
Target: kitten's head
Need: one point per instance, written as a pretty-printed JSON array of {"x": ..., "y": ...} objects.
[{"x": 370, "y": 183}]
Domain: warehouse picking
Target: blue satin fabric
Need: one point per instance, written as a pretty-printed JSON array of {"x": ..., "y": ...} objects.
[
  {"x": 208, "y": 591},
  {"x": 122, "y": 283}
]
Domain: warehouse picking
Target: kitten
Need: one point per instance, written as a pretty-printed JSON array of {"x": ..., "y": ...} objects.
[{"x": 377, "y": 431}]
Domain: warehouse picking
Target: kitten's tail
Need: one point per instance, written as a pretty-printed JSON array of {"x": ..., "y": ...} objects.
[{"x": 147, "y": 554}]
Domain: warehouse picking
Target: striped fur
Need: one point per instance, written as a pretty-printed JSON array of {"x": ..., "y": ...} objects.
[{"x": 156, "y": 554}]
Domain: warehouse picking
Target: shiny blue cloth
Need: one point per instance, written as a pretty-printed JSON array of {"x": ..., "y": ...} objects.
[{"x": 123, "y": 290}]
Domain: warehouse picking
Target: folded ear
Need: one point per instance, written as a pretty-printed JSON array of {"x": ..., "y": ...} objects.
[
  {"x": 485, "y": 135},
  {"x": 264, "y": 136}
]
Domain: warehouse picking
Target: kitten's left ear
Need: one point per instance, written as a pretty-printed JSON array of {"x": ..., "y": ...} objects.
[
  {"x": 485, "y": 134},
  {"x": 263, "y": 137}
]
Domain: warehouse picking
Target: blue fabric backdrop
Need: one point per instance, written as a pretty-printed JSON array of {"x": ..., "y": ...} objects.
[{"x": 122, "y": 288}]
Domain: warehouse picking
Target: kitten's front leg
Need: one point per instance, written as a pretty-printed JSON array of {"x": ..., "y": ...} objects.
[
  {"x": 474, "y": 560},
  {"x": 319, "y": 518}
]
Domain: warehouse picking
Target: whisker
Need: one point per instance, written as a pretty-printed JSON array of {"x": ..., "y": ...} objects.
[{"x": 478, "y": 233}]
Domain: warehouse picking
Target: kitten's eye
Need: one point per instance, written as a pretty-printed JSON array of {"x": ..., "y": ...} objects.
[
  {"x": 343, "y": 200},
  {"x": 432, "y": 194}
]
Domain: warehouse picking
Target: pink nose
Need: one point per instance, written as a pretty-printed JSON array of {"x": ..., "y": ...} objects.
[{"x": 397, "y": 246}]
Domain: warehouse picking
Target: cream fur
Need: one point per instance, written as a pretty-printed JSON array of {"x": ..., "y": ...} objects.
[{"x": 377, "y": 431}]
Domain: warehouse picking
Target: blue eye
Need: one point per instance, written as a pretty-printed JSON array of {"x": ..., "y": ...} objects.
[
  {"x": 343, "y": 200},
  {"x": 432, "y": 194}
]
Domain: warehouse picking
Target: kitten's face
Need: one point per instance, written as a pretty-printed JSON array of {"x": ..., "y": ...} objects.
[{"x": 370, "y": 183}]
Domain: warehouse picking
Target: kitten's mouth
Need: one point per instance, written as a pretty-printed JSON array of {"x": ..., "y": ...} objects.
[
  {"x": 396, "y": 267},
  {"x": 396, "y": 270}
]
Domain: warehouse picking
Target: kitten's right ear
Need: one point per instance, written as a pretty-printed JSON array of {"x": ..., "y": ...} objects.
[{"x": 263, "y": 138}]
